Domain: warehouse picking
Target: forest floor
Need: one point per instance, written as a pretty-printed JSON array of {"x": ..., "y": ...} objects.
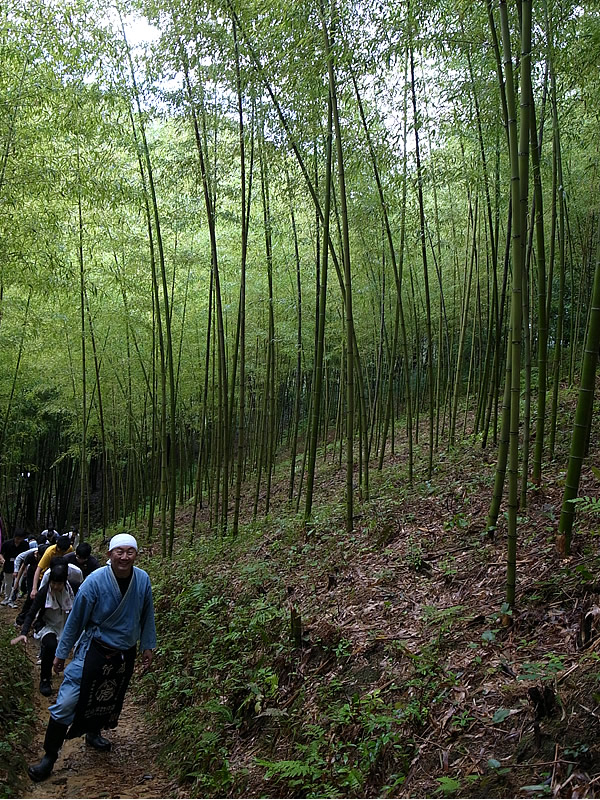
[
  {"x": 406, "y": 655},
  {"x": 129, "y": 770}
]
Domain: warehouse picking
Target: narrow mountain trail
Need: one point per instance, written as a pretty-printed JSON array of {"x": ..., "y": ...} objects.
[{"x": 129, "y": 770}]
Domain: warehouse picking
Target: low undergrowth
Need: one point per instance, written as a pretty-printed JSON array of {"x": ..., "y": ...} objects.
[
  {"x": 241, "y": 697},
  {"x": 216, "y": 654},
  {"x": 16, "y": 712},
  {"x": 301, "y": 661},
  {"x": 258, "y": 689}
]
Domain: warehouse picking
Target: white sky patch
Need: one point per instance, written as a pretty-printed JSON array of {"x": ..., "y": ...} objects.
[{"x": 139, "y": 31}]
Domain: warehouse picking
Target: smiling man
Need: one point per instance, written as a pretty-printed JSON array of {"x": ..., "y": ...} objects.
[{"x": 112, "y": 612}]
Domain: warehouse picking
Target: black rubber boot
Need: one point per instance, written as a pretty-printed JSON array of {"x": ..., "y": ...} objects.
[
  {"x": 55, "y": 736},
  {"x": 96, "y": 740},
  {"x": 47, "y": 654}
]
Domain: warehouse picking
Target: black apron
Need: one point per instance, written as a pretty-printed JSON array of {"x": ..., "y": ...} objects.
[{"x": 104, "y": 681}]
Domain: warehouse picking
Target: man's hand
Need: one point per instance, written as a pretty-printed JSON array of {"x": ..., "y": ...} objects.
[
  {"x": 33, "y": 593},
  {"x": 58, "y": 665},
  {"x": 147, "y": 657},
  {"x": 21, "y": 638}
]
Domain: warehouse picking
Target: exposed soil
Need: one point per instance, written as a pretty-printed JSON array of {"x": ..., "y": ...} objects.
[{"x": 128, "y": 770}]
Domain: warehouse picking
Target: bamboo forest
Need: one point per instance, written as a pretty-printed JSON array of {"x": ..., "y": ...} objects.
[{"x": 305, "y": 297}]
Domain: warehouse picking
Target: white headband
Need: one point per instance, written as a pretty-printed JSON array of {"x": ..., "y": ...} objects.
[{"x": 122, "y": 540}]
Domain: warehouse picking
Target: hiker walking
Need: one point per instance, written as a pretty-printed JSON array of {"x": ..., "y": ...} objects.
[
  {"x": 10, "y": 550},
  {"x": 112, "y": 611},
  {"x": 83, "y": 558},
  {"x": 50, "y": 610},
  {"x": 61, "y": 548},
  {"x": 29, "y": 566},
  {"x": 50, "y": 535}
]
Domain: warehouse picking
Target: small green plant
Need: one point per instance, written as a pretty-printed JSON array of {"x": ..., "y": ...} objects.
[
  {"x": 394, "y": 783},
  {"x": 448, "y": 787},
  {"x": 584, "y": 573},
  {"x": 579, "y": 750},
  {"x": 260, "y": 691},
  {"x": 500, "y": 715},
  {"x": 343, "y": 649},
  {"x": 544, "y": 670},
  {"x": 414, "y": 554},
  {"x": 588, "y": 505},
  {"x": 538, "y": 790},
  {"x": 294, "y": 772},
  {"x": 462, "y": 720},
  {"x": 448, "y": 566},
  {"x": 526, "y": 644},
  {"x": 475, "y": 646},
  {"x": 444, "y": 617},
  {"x": 459, "y": 521},
  {"x": 497, "y": 767},
  {"x": 386, "y": 575}
]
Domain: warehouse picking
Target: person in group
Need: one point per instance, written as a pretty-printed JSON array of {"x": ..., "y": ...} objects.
[
  {"x": 74, "y": 578},
  {"x": 112, "y": 611},
  {"x": 50, "y": 535},
  {"x": 61, "y": 548},
  {"x": 74, "y": 574},
  {"x": 19, "y": 571},
  {"x": 28, "y": 566},
  {"x": 83, "y": 558},
  {"x": 73, "y": 535},
  {"x": 50, "y": 610},
  {"x": 10, "y": 550}
]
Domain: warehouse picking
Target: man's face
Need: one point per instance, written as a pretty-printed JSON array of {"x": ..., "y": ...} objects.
[
  {"x": 121, "y": 560},
  {"x": 81, "y": 562}
]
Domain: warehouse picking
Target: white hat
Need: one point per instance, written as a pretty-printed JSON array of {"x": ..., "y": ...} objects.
[{"x": 122, "y": 540}]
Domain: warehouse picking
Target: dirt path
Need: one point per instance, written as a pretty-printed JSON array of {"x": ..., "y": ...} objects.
[{"x": 129, "y": 770}]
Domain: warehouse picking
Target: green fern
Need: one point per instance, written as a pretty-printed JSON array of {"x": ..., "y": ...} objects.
[
  {"x": 288, "y": 770},
  {"x": 588, "y": 505}
]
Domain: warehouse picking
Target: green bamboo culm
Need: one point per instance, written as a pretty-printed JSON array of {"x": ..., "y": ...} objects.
[
  {"x": 519, "y": 155},
  {"x": 583, "y": 414}
]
